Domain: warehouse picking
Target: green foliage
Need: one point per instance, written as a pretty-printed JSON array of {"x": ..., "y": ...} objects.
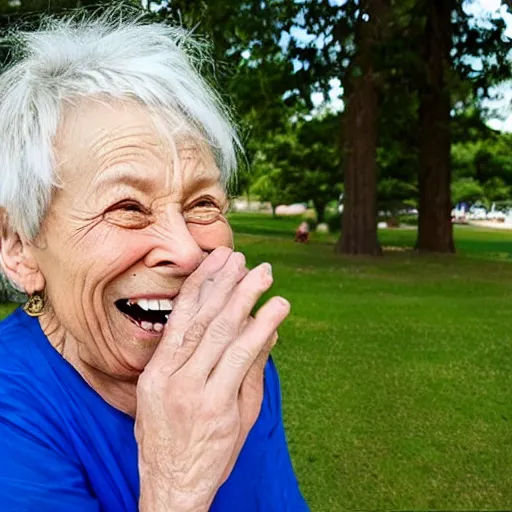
[
  {"x": 268, "y": 57},
  {"x": 301, "y": 165},
  {"x": 271, "y": 186},
  {"x": 496, "y": 189},
  {"x": 485, "y": 160},
  {"x": 316, "y": 166},
  {"x": 249, "y": 68},
  {"x": 481, "y": 59},
  {"x": 271, "y": 170},
  {"x": 467, "y": 190},
  {"x": 395, "y": 194},
  {"x": 8, "y": 293},
  {"x": 333, "y": 220}
]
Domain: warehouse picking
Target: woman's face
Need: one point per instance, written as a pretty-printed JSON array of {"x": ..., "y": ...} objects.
[{"x": 124, "y": 231}]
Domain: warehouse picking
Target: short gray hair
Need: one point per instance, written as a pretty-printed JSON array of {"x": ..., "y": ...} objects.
[{"x": 72, "y": 58}]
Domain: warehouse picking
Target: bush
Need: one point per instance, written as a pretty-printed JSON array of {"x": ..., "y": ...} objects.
[
  {"x": 409, "y": 220},
  {"x": 333, "y": 220}
]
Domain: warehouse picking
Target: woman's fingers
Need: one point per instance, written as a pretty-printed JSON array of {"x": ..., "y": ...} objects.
[
  {"x": 226, "y": 327},
  {"x": 214, "y": 262},
  {"x": 219, "y": 272},
  {"x": 241, "y": 354},
  {"x": 251, "y": 391},
  {"x": 250, "y": 399},
  {"x": 216, "y": 277},
  {"x": 201, "y": 393},
  {"x": 209, "y": 339},
  {"x": 216, "y": 290}
]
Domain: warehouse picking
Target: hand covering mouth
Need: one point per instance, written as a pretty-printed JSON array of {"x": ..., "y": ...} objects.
[{"x": 149, "y": 314}]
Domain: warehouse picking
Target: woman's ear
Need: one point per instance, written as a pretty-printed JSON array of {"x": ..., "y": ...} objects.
[{"x": 18, "y": 261}]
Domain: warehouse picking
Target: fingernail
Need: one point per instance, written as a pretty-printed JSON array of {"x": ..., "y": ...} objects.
[
  {"x": 267, "y": 267},
  {"x": 283, "y": 302}
]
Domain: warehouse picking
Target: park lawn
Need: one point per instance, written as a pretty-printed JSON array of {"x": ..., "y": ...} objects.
[{"x": 397, "y": 372}]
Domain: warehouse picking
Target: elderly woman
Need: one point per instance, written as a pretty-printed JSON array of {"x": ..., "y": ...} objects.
[{"x": 135, "y": 377}]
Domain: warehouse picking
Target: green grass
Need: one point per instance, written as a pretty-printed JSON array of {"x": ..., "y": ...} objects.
[{"x": 396, "y": 373}]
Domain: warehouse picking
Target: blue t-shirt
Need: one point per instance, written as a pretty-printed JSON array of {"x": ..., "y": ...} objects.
[{"x": 63, "y": 448}]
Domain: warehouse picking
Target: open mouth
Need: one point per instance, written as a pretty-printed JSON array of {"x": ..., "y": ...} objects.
[{"x": 151, "y": 315}]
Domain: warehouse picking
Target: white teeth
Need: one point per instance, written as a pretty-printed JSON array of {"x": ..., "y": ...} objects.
[
  {"x": 143, "y": 303},
  {"x": 153, "y": 305},
  {"x": 165, "y": 304},
  {"x": 167, "y": 316},
  {"x": 147, "y": 326}
]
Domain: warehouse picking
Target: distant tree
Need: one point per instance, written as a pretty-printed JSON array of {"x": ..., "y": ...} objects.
[
  {"x": 249, "y": 67},
  {"x": 463, "y": 159},
  {"x": 452, "y": 44},
  {"x": 272, "y": 177},
  {"x": 269, "y": 187},
  {"x": 316, "y": 162},
  {"x": 484, "y": 155},
  {"x": 359, "y": 221},
  {"x": 423, "y": 70},
  {"x": 435, "y": 231},
  {"x": 12, "y": 11},
  {"x": 301, "y": 165},
  {"x": 496, "y": 190},
  {"x": 466, "y": 190},
  {"x": 395, "y": 195}
]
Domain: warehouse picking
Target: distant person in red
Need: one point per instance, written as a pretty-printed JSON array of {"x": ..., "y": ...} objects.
[{"x": 302, "y": 233}]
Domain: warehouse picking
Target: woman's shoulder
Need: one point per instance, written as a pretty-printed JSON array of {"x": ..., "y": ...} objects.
[
  {"x": 27, "y": 396},
  {"x": 31, "y": 370},
  {"x": 25, "y": 352},
  {"x": 24, "y": 370},
  {"x": 15, "y": 339}
]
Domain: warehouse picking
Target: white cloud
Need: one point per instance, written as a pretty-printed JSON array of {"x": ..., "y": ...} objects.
[{"x": 490, "y": 5}]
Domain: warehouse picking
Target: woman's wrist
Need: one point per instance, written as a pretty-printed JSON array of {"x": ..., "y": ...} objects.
[
  {"x": 154, "y": 498},
  {"x": 159, "y": 494}
]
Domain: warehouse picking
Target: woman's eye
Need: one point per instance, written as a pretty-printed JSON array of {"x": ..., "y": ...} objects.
[
  {"x": 128, "y": 214},
  {"x": 203, "y": 211},
  {"x": 206, "y": 203},
  {"x": 132, "y": 207}
]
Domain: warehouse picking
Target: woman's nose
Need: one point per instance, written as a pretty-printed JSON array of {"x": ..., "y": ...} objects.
[{"x": 175, "y": 247}]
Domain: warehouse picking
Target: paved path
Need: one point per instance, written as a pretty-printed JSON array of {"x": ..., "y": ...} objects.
[{"x": 491, "y": 224}]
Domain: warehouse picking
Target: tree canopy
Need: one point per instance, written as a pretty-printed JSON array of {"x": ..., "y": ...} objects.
[{"x": 269, "y": 57}]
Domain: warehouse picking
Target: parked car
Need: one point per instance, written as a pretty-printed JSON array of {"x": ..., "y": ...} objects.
[
  {"x": 496, "y": 215},
  {"x": 477, "y": 213}
]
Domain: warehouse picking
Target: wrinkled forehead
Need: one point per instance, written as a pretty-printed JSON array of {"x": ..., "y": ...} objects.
[{"x": 96, "y": 134}]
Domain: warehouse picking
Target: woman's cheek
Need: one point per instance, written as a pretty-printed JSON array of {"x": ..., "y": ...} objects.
[
  {"x": 211, "y": 236},
  {"x": 126, "y": 248}
]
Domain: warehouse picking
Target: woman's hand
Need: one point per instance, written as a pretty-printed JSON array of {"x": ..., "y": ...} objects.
[{"x": 201, "y": 392}]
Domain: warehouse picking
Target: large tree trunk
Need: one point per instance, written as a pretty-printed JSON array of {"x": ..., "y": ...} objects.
[
  {"x": 359, "y": 224},
  {"x": 435, "y": 230}
]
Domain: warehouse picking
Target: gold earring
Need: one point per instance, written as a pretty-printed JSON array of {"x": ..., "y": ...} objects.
[{"x": 35, "y": 304}]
